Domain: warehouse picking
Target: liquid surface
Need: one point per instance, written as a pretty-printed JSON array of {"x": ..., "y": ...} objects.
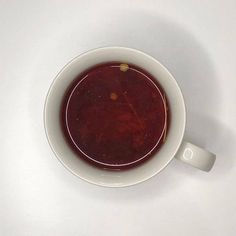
[{"x": 115, "y": 116}]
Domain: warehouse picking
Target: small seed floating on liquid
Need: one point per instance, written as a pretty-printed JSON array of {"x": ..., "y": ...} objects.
[
  {"x": 113, "y": 96},
  {"x": 124, "y": 67}
]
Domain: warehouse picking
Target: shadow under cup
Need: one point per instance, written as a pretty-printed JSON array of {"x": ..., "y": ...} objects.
[{"x": 83, "y": 169}]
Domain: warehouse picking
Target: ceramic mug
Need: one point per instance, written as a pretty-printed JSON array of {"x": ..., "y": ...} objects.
[{"x": 174, "y": 145}]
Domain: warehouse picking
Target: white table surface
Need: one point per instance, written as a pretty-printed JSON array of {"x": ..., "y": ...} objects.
[{"x": 196, "y": 40}]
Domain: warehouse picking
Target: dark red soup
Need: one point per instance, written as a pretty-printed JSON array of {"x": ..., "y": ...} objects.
[{"x": 115, "y": 116}]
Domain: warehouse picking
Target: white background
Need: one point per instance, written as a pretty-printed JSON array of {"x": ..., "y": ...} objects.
[{"x": 195, "y": 40}]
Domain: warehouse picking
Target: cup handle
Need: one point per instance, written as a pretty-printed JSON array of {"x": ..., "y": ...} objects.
[{"x": 196, "y": 156}]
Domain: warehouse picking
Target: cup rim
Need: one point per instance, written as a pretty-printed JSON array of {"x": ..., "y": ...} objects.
[{"x": 66, "y": 66}]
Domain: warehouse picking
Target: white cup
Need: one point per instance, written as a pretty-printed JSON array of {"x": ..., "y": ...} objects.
[{"x": 174, "y": 145}]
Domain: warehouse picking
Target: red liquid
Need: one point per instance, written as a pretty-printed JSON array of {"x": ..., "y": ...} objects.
[{"x": 114, "y": 117}]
